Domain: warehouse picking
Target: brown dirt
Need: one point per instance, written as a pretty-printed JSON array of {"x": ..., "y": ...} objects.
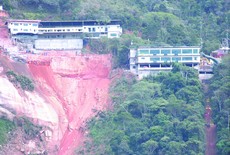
[{"x": 210, "y": 131}]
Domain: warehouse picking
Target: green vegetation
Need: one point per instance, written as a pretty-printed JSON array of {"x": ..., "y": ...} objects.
[
  {"x": 20, "y": 80},
  {"x": 118, "y": 47},
  {"x": 158, "y": 115},
  {"x": 30, "y": 130},
  {"x": 219, "y": 93},
  {"x": 6, "y": 127},
  {"x": 185, "y": 22}
]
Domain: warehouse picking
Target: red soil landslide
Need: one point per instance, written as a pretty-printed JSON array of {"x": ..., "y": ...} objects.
[
  {"x": 210, "y": 131},
  {"x": 77, "y": 84}
]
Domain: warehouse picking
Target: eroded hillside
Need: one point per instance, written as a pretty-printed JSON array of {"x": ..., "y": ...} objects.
[{"x": 69, "y": 89}]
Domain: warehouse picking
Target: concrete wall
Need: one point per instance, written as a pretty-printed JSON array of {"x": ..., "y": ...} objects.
[{"x": 59, "y": 44}]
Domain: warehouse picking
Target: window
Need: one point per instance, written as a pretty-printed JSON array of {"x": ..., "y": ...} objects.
[
  {"x": 106, "y": 29},
  {"x": 154, "y": 52},
  {"x": 154, "y": 59},
  {"x": 143, "y": 51},
  {"x": 176, "y": 51},
  {"x": 94, "y": 29},
  {"x": 134, "y": 67},
  {"x": 165, "y": 52},
  {"x": 195, "y": 51},
  {"x": 154, "y": 65},
  {"x": 113, "y": 34},
  {"x": 25, "y": 30},
  {"x": 25, "y": 24},
  {"x": 15, "y": 24},
  {"x": 89, "y": 29},
  {"x": 195, "y": 58},
  {"x": 187, "y": 58},
  {"x": 187, "y": 51},
  {"x": 34, "y": 24},
  {"x": 176, "y": 59},
  {"x": 15, "y": 29},
  {"x": 165, "y": 59}
]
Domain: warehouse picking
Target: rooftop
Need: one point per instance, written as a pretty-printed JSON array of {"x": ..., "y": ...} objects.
[{"x": 22, "y": 20}]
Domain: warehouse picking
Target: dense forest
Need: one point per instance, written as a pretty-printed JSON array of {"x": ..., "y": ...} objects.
[
  {"x": 219, "y": 94},
  {"x": 158, "y": 115},
  {"x": 160, "y": 22}
]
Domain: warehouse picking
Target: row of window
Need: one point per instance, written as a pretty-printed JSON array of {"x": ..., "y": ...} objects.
[
  {"x": 25, "y": 24},
  {"x": 173, "y": 59},
  {"x": 160, "y": 65},
  {"x": 60, "y": 30},
  {"x": 93, "y": 29},
  {"x": 24, "y": 30},
  {"x": 169, "y": 51}
]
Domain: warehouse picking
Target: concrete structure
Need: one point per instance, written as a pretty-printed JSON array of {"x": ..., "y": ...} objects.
[
  {"x": 148, "y": 60},
  {"x": 61, "y": 35},
  {"x": 58, "y": 44},
  {"x": 83, "y": 29}
]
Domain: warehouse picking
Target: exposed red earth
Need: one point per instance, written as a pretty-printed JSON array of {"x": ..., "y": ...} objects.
[
  {"x": 69, "y": 90},
  {"x": 80, "y": 84},
  {"x": 210, "y": 131}
]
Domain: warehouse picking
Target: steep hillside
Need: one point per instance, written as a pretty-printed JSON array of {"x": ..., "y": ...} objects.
[
  {"x": 67, "y": 93},
  {"x": 69, "y": 90},
  {"x": 185, "y": 22}
]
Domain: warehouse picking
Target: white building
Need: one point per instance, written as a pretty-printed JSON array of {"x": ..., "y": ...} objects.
[
  {"x": 23, "y": 26},
  {"x": 63, "y": 29},
  {"x": 147, "y": 60}
]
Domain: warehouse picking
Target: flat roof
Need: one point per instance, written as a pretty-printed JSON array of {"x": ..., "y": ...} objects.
[
  {"x": 77, "y": 23},
  {"x": 22, "y": 20},
  {"x": 157, "y": 47}
]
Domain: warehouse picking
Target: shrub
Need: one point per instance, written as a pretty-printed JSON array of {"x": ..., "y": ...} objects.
[
  {"x": 24, "y": 82},
  {"x": 5, "y": 127}
]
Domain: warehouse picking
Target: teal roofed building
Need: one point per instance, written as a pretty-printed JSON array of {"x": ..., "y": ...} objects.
[{"x": 148, "y": 60}]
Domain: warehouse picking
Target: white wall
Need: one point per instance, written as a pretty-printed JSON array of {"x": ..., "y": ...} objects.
[
  {"x": 23, "y": 27},
  {"x": 67, "y": 44}
]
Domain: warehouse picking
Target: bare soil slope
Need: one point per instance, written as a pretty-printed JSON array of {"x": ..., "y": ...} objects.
[{"x": 79, "y": 85}]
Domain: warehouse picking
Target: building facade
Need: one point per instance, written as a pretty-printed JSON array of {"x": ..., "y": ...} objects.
[
  {"x": 63, "y": 29},
  {"x": 23, "y": 26},
  {"x": 146, "y": 60}
]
